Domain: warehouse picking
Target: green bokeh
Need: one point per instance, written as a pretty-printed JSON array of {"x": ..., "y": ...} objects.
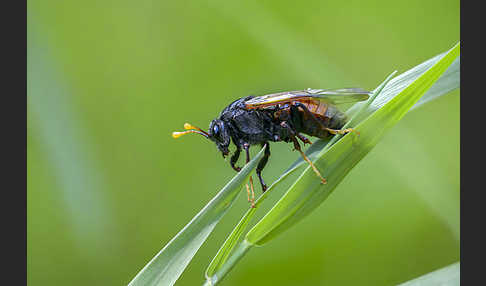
[{"x": 108, "y": 81}]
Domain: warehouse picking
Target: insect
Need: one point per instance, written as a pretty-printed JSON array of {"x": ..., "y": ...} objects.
[{"x": 283, "y": 116}]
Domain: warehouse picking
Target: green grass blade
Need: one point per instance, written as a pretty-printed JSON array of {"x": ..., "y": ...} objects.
[
  {"x": 335, "y": 163},
  {"x": 224, "y": 252},
  {"x": 447, "y": 276},
  {"x": 447, "y": 82},
  {"x": 219, "y": 261},
  {"x": 228, "y": 246},
  {"x": 166, "y": 267}
]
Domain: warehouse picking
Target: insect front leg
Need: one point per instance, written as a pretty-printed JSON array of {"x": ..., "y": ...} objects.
[
  {"x": 234, "y": 159},
  {"x": 252, "y": 200},
  {"x": 297, "y": 147},
  {"x": 262, "y": 164},
  {"x": 246, "y": 147}
]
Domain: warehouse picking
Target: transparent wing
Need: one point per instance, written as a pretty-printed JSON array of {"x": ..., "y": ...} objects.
[
  {"x": 342, "y": 95},
  {"x": 330, "y": 96}
]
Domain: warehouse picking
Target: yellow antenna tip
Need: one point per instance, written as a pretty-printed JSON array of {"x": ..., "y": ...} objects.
[
  {"x": 177, "y": 134},
  {"x": 188, "y": 126}
]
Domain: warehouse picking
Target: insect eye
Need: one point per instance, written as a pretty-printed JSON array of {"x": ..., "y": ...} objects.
[{"x": 216, "y": 130}]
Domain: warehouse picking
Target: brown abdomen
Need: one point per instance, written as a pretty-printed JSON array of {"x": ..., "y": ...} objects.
[
  {"x": 316, "y": 107},
  {"x": 328, "y": 116}
]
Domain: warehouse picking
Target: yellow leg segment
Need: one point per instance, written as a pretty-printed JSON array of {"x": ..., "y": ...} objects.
[
  {"x": 341, "y": 131},
  {"x": 252, "y": 199},
  {"x": 324, "y": 181}
]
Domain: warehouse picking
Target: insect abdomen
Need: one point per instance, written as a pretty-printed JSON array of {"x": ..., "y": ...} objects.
[
  {"x": 328, "y": 116},
  {"x": 316, "y": 107},
  {"x": 337, "y": 118}
]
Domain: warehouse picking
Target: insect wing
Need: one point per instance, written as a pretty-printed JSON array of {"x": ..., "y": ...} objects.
[
  {"x": 340, "y": 96},
  {"x": 331, "y": 96},
  {"x": 275, "y": 98}
]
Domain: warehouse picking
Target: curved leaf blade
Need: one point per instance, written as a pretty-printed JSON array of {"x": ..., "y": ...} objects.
[
  {"x": 336, "y": 162},
  {"x": 227, "y": 255},
  {"x": 167, "y": 266},
  {"x": 447, "y": 276}
]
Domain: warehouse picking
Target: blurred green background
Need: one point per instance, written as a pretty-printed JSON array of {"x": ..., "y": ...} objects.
[{"x": 108, "y": 187}]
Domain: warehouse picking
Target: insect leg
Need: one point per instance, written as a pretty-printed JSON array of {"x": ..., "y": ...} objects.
[
  {"x": 252, "y": 199},
  {"x": 297, "y": 147},
  {"x": 234, "y": 158},
  {"x": 284, "y": 114},
  {"x": 303, "y": 139},
  {"x": 252, "y": 193},
  {"x": 341, "y": 131},
  {"x": 307, "y": 111},
  {"x": 246, "y": 146},
  {"x": 248, "y": 192},
  {"x": 332, "y": 131},
  {"x": 262, "y": 164}
]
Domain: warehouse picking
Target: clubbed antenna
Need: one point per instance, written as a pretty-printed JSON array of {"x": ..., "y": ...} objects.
[{"x": 190, "y": 129}]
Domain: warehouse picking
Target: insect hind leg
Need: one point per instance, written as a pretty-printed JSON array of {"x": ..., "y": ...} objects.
[
  {"x": 313, "y": 117},
  {"x": 297, "y": 147},
  {"x": 308, "y": 112},
  {"x": 303, "y": 139},
  {"x": 341, "y": 131}
]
